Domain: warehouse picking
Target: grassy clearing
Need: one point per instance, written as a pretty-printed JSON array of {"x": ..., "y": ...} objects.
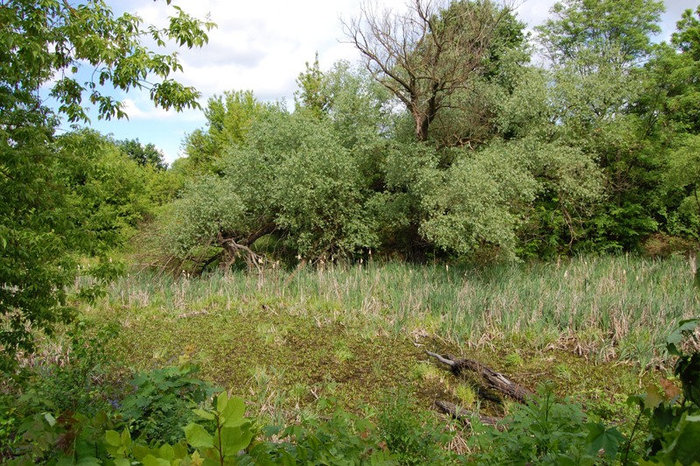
[
  {"x": 610, "y": 308},
  {"x": 285, "y": 339}
]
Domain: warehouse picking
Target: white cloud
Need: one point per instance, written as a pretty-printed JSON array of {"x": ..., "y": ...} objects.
[
  {"x": 143, "y": 109},
  {"x": 262, "y": 45}
]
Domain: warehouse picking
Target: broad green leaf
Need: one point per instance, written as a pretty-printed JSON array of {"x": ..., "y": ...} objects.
[
  {"x": 221, "y": 402},
  {"x": 126, "y": 438},
  {"x": 233, "y": 414},
  {"x": 140, "y": 452},
  {"x": 113, "y": 438},
  {"x": 150, "y": 460},
  {"x": 601, "y": 439},
  {"x": 166, "y": 452},
  {"x": 122, "y": 462},
  {"x": 683, "y": 448},
  {"x": 204, "y": 414},
  {"x": 198, "y": 437},
  {"x": 180, "y": 449},
  {"x": 235, "y": 439},
  {"x": 684, "y": 326}
]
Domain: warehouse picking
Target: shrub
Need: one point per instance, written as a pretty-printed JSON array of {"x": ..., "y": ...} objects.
[
  {"x": 413, "y": 438},
  {"x": 162, "y": 402}
]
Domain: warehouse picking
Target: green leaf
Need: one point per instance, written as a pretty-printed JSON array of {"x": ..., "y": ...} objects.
[
  {"x": 603, "y": 440},
  {"x": 675, "y": 338},
  {"x": 180, "y": 449},
  {"x": 126, "y": 438},
  {"x": 221, "y": 402},
  {"x": 232, "y": 415},
  {"x": 166, "y": 452},
  {"x": 122, "y": 462},
  {"x": 198, "y": 437},
  {"x": 150, "y": 460},
  {"x": 235, "y": 439},
  {"x": 140, "y": 452},
  {"x": 204, "y": 414},
  {"x": 683, "y": 448},
  {"x": 113, "y": 438}
]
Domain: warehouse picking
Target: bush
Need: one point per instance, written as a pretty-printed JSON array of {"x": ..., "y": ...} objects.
[
  {"x": 547, "y": 431},
  {"x": 412, "y": 437},
  {"x": 162, "y": 402}
]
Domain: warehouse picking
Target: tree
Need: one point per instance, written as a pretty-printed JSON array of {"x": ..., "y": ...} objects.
[
  {"x": 429, "y": 53},
  {"x": 595, "y": 27},
  {"x": 311, "y": 94},
  {"x": 147, "y": 155},
  {"x": 673, "y": 107},
  {"x": 229, "y": 117},
  {"x": 45, "y": 43},
  {"x": 596, "y": 49},
  {"x": 673, "y": 101}
]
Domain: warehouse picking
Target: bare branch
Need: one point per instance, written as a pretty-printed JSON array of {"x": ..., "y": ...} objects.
[{"x": 427, "y": 53}]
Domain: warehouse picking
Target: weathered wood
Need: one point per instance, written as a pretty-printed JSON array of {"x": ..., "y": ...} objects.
[
  {"x": 492, "y": 379},
  {"x": 466, "y": 417}
]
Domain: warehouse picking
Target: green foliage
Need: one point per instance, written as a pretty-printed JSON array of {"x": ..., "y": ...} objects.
[
  {"x": 208, "y": 207},
  {"x": 162, "y": 401},
  {"x": 311, "y": 94},
  {"x": 547, "y": 431},
  {"x": 344, "y": 438},
  {"x": 412, "y": 438},
  {"x": 144, "y": 155},
  {"x": 683, "y": 176},
  {"x": 35, "y": 235},
  {"x": 674, "y": 71},
  {"x": 488, "y": 198},
  {"x": 231, "y": 431},
  {"x": 76, "y": 382},
  {"x": 674, "y": 424},
  {"x": 478, "y": 200},
  {"x": 581, "y": 25},
  {"x": 43, "y": 38},
  {"x": 108, "y": 191},
  {"x": 39, "y": 234},
  {"x": 229, "y": 118},
  {"x": 293, "y": 179}
]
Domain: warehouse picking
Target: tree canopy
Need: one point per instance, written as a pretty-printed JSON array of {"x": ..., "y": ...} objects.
[{"x": 44, "y": 224}]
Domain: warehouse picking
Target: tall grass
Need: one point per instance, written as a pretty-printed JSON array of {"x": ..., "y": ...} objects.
[{"x": 612, "y": 307}]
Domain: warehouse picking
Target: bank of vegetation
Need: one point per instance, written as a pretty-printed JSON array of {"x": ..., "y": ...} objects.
[{"x": 518, "y": 208}]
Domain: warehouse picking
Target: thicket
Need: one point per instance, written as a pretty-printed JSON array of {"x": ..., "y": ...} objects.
[{"x": 594, "y": 152}]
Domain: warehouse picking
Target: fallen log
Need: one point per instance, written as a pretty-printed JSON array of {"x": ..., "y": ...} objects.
[
  {"x": 492, "y": 379},
  {"x": 466, "y": 417}
]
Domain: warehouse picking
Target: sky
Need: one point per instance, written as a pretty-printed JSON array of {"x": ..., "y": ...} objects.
[{"x": 262, "y": 46}]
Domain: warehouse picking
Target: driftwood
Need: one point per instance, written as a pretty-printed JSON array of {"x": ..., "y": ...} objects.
[
  {"x": 466, "y": 417},
  {"x": 492, "y": 379}
]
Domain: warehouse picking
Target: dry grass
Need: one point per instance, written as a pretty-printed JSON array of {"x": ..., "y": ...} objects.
[{"x": 609, "y": 308}]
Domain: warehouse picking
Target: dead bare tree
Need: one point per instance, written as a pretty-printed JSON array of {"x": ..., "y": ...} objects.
[{"x": 427, "y": 54}]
